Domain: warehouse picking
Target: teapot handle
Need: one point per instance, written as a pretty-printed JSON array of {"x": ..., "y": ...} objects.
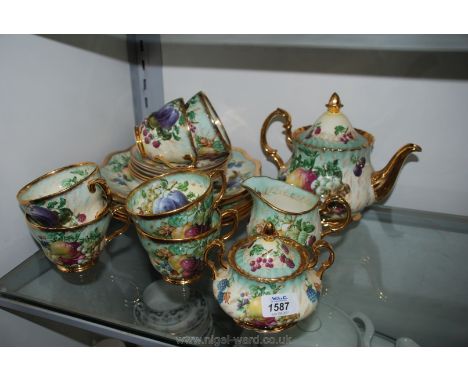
[
  {"x": 329, "y": 227},
  {"x": 269, "y": 151},
  {"x": 215, "y": 243},
  {"x": 327, "y": 263}
]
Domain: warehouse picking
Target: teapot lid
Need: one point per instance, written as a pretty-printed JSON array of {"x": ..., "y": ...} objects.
[
  {"x": 268, "y": 257},
  {"x": 332, "y": 129}
]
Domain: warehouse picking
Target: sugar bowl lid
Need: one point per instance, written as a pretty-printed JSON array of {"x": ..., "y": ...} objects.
[
  {"x": 332, "y": 129},
  {"x": 268, "y": 257}
]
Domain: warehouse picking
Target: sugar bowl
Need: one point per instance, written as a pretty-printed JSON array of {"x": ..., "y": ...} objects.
[{"x": 269, "y": 282}]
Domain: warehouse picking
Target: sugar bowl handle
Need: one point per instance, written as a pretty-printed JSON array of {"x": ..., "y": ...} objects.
[
  {"x": 331, "y": 226},
  {"x": 319, "y": 244},
  {"x": 217, "y": 243},
  {"x": 271, "y": 153}
]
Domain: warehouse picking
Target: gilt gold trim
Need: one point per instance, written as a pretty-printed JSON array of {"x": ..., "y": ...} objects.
[
  {"x": 214, "y": 119},
  {"x": 177, "y": 210},
  {"x": 79, "y": 268},
  {"x": 182, "y": 281},
  {"x": 25, "y": 188},
  {"x": 203, "y": 235},
  {"x": 276, "y": 329}
]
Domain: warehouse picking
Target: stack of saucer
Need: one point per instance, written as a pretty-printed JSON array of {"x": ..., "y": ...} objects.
[{"x": 144, "y": 169}]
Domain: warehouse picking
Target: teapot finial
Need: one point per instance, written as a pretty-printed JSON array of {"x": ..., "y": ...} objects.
[
  {"x": 334, "y": 104},
  {"x": 269, "y": 231}
]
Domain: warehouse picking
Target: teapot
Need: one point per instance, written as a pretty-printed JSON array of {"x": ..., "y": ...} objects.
[
  {"x": 332, "y": 157},
  {"x": 269, "y": 282}
]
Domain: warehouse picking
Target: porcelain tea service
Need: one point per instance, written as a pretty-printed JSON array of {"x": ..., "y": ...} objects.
[
  {"x": 332, "y": 157},
  {"x": 66, "y": 197},
  {"x": 182, "y": 184}
]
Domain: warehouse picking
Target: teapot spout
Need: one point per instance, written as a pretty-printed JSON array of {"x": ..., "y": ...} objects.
[{"x": 384, "y": 180}]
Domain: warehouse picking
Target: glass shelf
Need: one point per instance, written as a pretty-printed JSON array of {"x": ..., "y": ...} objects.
[{"x": 404, "y": 269}]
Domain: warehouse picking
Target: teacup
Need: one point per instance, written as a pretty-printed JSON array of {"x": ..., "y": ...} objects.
[
  {"x": 164, "y": 136},
  {"x": 175, "y": 205},
  {"x": 77, "y": 248},
  {"x": 209, "y": 136},
  {"x": 66, "y": 197},
  {"x": 180, "y": 261}
]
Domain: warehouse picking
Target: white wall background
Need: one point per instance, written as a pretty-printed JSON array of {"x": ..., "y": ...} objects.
[
  {"x": 59, "y": 104},
  {"x": 405, "y": 98}
]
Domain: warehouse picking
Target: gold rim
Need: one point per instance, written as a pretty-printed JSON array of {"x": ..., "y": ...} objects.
[
  {"x": 184, "y": 240},
  {"x": 50, "y": 173},
  {"x": 214, "y": 119},
  {"x": 368, "y": 136},
  {"x": 78, "y": 269},
  {"x": 105, "y": 211},
  {"x": 258, "y": 195},
  {"x": 304, "y": 255},
  {"x": 172, "y": 212},
  {"x": 182, "y": 281}
]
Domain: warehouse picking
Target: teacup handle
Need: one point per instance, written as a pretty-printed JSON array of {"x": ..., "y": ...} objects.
[
  {"x": 219, "y": 244},
  {"x": 105, "y": 189},
  {"x": 121, "y": 230},
  {"x": 139, "y": 142},
  {"x": 235, "y": 224},
  {"x": 219, "y": 173},
  {"x": 329, "y": 227},
  {"x": 102, "y": 185},
  {"x": 327, "y": 263},
  {"x": 270, "y": 152}
]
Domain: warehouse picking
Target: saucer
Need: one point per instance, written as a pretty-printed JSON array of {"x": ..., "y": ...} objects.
[
  {"x": 164, "y": 308},
  {"x": 156, "y": 168},
  {"x": 115, "y": 170}
]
